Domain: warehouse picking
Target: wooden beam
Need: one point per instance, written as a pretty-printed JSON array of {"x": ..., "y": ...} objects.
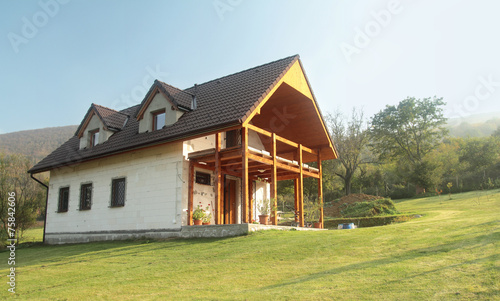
[
  {"x": 320, "y": 190},
  {"x": 274, "y": 181},
  {"x": 202, "y": 166},
  {"x": 296, "y": 198},
  {"x": 279, "y": 138},
  {"x": 281, "y": 165},
  {"x": 244, "y": 173},
  {"x": 258, "y": 130},
  {"x": 190, "y": 193},
  {"x": 250, "y": 197},
  {"x": 301, "y": 188},
  {"x": 218, "y": 182}
]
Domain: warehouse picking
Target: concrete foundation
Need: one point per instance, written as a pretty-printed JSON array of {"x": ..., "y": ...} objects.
[{"x": 183, "y": 232}]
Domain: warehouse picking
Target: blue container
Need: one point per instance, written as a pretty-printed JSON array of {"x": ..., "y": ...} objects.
[{"x": 348, "y": 226}]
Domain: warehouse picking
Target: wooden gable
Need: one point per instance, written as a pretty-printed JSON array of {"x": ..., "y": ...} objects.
[{"x": 290, "y": 110}]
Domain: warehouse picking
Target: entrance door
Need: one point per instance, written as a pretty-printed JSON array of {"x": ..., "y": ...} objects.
[{"x": 229, "y": 201}]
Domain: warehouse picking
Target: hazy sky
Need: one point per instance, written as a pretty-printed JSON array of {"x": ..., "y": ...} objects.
[{"x": 57, "y": 57}]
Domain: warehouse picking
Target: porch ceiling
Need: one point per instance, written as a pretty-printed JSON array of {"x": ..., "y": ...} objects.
[{"x": 294, "y": 116}]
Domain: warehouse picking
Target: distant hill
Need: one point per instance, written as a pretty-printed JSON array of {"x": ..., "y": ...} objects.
[
  {"x": 480, "y": 125},
  {"x": 36, "y": 143}
]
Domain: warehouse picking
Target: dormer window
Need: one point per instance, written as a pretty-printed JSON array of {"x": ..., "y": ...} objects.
[
  {"x": 158, "y": 120},
  {"x": 94, "y": 137}
]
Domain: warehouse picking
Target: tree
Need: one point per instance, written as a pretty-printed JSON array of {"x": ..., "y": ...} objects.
[
  {"x": 410, "y": 130},
  {"x": 350, "y": 138},
  {"x": 480, "y": 153},
  {"x": 496, "y": 133},
  {"x": 29, "y": 195}
]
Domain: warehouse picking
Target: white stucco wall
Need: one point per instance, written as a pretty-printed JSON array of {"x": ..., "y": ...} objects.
[
  {"x": 94, "y": 123},
  {"x": 153, "y": 192},
  {"x": 157, "y": 103},
  {"x": 262, "y": 192}
]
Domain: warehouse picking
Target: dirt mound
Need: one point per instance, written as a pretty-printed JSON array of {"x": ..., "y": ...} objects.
[{"x": 333, "y": 209}]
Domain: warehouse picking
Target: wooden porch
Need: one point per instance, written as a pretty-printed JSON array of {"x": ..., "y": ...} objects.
[{"x": 283, "y": 160}]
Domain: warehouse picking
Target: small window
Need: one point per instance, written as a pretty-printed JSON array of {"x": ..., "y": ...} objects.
[
  {"x": 94, "y": 137},
  {"x": 63, "y": 199},
  {"x": 158, "y": 120},
  {"x": 118, "y": 192},
  {"x": 202, "y": 178},
  {"x": 85, "y": 196}
]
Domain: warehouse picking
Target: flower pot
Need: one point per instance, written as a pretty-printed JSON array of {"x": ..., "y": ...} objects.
[
  {"x": 204, "y": 224},
  {"x": 317, "y": 225},
  {"x": 263, "y": 219},
  {"x": 197, "y": 222}
]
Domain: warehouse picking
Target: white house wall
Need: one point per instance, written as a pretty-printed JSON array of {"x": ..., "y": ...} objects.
[{"x": 153, "y": 193}]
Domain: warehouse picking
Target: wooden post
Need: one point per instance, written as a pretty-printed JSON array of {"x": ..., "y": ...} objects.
[
  {"x": 244, "y": 173},
  {"x": 301, "y": 188},
  {"x": 296, "y": 199},
  {"x": 274, "y": 182},
  {"x": 320, "y": 189},
  {"x": 250, "y": 197},
  {"x": 190, "y": 193},
  {"x": 218, "y": 182}
]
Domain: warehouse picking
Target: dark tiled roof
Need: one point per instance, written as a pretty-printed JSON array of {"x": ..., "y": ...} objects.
[
  {"x": 112, "y": 119},
  {"x": 181, "y": 98},
  {"x": 220, "y": 103}
]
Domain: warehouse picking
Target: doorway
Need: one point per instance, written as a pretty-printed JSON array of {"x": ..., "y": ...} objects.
[{"x": 229, "y": 201}]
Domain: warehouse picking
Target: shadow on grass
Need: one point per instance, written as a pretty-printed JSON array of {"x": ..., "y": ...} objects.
[
  {"x": 414, "y": 254},
  {"x": 51, "y": 254}
]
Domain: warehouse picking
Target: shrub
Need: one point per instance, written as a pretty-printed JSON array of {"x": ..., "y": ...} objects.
[{"x": 367, "y": 209}]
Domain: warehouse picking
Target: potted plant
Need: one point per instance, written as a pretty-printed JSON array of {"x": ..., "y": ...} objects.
[
  {"x": 264, "y": 212},
  {"x": 198, "y": 215},
  {"x": 208, "y": 216}
]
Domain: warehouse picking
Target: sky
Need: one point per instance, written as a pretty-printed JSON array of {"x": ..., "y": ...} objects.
[{"x": 59, "y": 56}]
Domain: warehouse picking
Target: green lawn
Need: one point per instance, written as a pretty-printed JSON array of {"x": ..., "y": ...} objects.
[{"x": 452, "y": 253}]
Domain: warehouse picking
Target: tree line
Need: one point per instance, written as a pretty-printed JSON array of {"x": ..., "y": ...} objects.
[
  {"x": 402, "y": 151},
  {"x": 405, "y": 150}
]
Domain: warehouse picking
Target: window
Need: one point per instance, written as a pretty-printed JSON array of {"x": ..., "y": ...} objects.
[
  {"x": 63, "y": 199},
  {"x": 202, "y": 178},
  {"x": 158, "y": 120},
  {"x": 233, "y": 138},
  {"x": 94, "y": 137},
  {"x": 118, "y": 192},
  {"x": 85, "y": 196}
]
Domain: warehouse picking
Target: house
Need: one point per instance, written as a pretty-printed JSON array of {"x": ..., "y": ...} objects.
[{"x": 222, "y": 144}]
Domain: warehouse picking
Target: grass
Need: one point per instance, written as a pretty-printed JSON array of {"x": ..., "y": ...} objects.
[{"x": 451, "y": 253}]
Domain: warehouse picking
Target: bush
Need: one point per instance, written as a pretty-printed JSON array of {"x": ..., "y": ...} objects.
[
  {"x": 368, "y": 221},
  {"x": 402, "y": 192},
  {"x": 367, "y": 209}
]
